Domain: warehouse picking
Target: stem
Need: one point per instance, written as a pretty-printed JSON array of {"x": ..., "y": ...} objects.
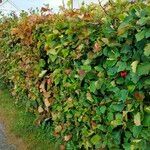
[
  {"x": 102, "y": 7},
  {"x": 63, "y": 3},
  {"x": 72, "y": 4}
]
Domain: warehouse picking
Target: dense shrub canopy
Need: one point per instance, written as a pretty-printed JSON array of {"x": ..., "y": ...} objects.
[{"x": 85, "y": 71}]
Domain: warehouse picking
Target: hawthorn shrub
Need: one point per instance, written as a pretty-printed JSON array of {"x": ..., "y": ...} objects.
[{"x": 84, "y": 71}]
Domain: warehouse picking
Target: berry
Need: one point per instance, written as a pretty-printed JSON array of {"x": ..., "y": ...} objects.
[{"x": 123, "y": 74}]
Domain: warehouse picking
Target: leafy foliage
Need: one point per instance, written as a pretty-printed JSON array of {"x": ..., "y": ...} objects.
[{"x": 86, "y": 71}]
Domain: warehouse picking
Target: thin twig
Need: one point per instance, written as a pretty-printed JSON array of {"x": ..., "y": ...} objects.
[
  {"x": 63, "y": 3},
  {"x": 102, "y": 7},
  {"x": 110, "y": 2}
]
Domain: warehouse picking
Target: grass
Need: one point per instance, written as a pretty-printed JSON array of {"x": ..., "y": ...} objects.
[{"x": 20, "y": 123}]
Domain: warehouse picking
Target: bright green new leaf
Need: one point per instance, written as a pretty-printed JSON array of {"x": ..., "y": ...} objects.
[
  {"x": 86, "y": 68},
  {"x": 95, "y": 139}
]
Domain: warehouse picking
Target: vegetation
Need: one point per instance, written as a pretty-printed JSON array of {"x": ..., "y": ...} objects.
[
  {"x": 85, "y": 72},
  {"x": 20, "y": 123}
]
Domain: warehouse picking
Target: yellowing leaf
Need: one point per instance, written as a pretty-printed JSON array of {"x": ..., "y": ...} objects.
[
  {"x": 137, "y": 119},
  {"x": 147, "y": 109},
  {"x": 67, "y": 137},
  {"x": 58, "y": 128},
  {"x": 42, "y": 73},
  {"x": 89, "y": 97},
  {"x": 134, "y": 66},
  {"x": 46, "y": 102},
  {"x": 105, "y": 40}
]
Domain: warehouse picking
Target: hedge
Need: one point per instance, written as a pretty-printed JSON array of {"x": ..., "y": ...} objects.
[{"x": 85, "y": 72}]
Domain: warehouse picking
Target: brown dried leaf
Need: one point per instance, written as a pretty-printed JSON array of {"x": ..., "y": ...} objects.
[
  {"x": 68, "y": 71},
  {"x": 139, "y": 96},
  {"x": 40, "y": 109},
  {"x": 46, "y": 94},
  {"x": 46, "y": 102},
  {"x": 62, "y": 147},
  {"x": 42, "y": 87}
]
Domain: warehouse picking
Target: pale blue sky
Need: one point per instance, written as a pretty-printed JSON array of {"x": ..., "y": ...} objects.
[{"x": 26, "y": 4}]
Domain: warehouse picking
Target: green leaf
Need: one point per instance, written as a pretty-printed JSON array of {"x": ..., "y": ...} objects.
[
  {"x": 112, "y": 71},
  {"x": 52, "y": 57},
  {"x": 123, "y": 95},
  {"x": 147, "y": 34},
  {"x": 131, "y": 88},
  {"x": 86, "y": 68},
  {"x": 101, "y": 110},
  {"x": 134, "y": 78},
  {"x": 110, "y": 116},
  {"x": 142, "y": 21},
  {"x": 95, "y": 139},
  {"x": 136, "y": 131},
  {"x": 143, "y": 69},
  {"x": 117, "y": 121},
  {"x": 147, "y": 50},
  {"x": 52, "y": 51},
  {"x": 65, "y": 52},
  {"x": 92, "y": 87},
  {"x": 121, "y": 66},
  {"x": 99, "y": 83},
  {"x": 117, "y": 107},
  {"x": 140, "y": 35},
  {"x": 99, "y": 68},
  {"x": 42, "y": 63},
  {"x": 86, "y": 132},
  {"x": 146, "y": 120},
  {"x": 147, "y": 82},
  {"x": 110, "y": 63}
]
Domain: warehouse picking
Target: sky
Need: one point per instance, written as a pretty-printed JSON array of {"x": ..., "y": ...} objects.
[{"x": 18, "y": 5}]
